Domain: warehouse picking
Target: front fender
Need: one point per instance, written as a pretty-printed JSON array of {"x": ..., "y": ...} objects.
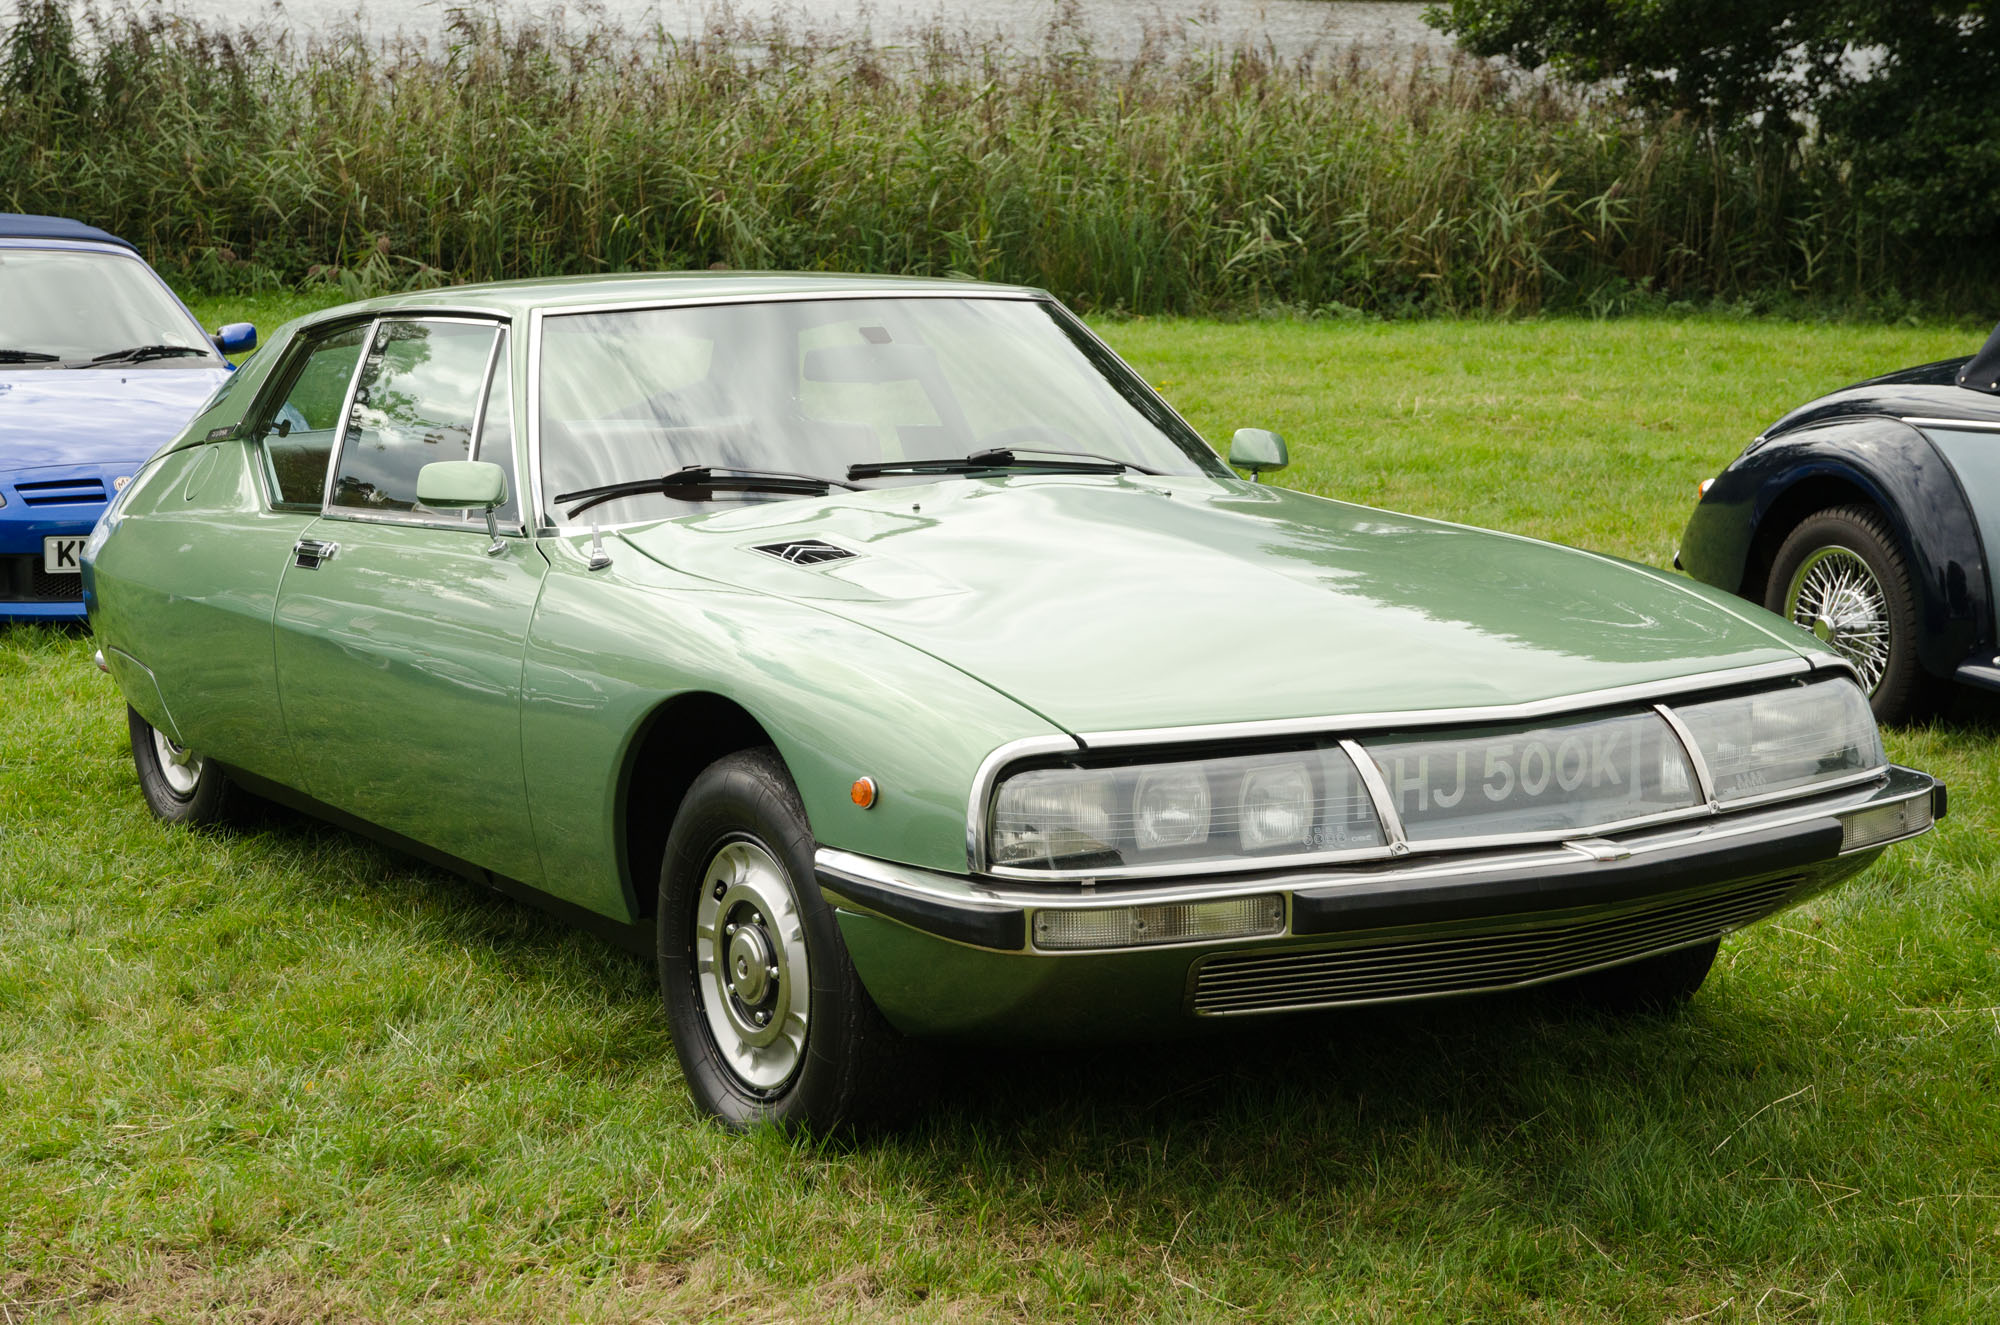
[
  {"x": 1763, "y": 494},
  {"x": 838, "y": 699}
]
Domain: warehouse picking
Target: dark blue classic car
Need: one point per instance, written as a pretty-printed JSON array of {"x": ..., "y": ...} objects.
[
  {"x": 99, "y": 366},
  {"x": 1871, "y": 517}
]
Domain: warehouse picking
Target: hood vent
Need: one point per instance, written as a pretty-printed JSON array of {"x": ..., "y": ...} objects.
[
  {"x": 804, "y": 552},
  {"x": 61, "y": 492}
]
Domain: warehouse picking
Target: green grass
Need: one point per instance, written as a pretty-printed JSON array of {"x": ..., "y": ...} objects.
[{"x": 284, "y": 1075}]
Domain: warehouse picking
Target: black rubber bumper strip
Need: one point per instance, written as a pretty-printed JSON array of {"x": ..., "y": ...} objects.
[
  {"x": 1388, "y": 902},
  {"x": 1002, "y": 928}
]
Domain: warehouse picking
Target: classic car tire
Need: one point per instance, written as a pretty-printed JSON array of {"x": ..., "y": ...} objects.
[
  {"x": 1851, "y": 551},
  {"x": 739, "y": 865},
  {"x": 1659, "y": 983},
  {"x": 179, "y": 786}
]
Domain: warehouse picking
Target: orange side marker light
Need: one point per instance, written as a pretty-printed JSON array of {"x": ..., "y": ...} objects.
[{"x": 862, "y": 793}]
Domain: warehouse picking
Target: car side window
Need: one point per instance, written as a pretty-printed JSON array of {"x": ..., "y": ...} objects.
[
  {"x": 298, "y": 433},
  {"x": 416, "y": 401}
]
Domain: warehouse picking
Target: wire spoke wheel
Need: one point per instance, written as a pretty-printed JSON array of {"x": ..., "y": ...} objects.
[{"x": 1836, "y": 596}]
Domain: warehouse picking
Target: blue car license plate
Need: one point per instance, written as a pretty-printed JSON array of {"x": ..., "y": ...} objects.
[{"x": 60, "y": 556}]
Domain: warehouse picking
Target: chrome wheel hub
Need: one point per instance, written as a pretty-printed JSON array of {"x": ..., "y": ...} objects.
[
  {"x": 180, "y": 766},
  {"x": 1837, "y": 597},
  {"x": 751, "y": 971}
]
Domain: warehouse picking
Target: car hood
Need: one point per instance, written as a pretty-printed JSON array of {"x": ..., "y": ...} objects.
[
  {"x": 1114, "y": 604},
  {"x": 59, "y": 416}
]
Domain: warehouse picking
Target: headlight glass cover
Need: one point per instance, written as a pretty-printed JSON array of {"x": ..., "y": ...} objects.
[
  {"x": 1496, "y": 781},
  {"x": 1231, "y": 807},
  {"x": 1774, "y": 741}
]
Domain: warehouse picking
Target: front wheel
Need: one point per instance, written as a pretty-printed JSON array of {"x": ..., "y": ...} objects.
[
  {"x": 1841, "y": 575},
  {"x": 770, "y": 1022},
  {"x": 179, "y": 785}
]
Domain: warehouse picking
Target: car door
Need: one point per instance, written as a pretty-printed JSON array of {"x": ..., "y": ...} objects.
[
  {"x": 211, "y": 555},
  {"x": 400, "y": 629}
]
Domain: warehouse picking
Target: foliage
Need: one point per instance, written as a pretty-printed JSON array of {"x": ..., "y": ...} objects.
[
  {"x": 1185, "y": 181},
  {"x": 1899, "y": 92}
]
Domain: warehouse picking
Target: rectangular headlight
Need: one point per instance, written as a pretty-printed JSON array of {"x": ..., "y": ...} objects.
[
  {"x": 1783, "y": 740},
  {"x": 1234, "y": 807}
]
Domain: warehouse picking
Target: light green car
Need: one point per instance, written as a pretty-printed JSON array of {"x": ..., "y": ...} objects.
[{"x": 888, "y": 660}]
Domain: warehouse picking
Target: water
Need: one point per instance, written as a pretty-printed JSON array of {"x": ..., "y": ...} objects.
[{"x": 1115, "y": 29}]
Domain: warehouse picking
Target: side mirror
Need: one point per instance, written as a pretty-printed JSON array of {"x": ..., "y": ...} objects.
[
  {"x": 1258, "y": 450},
  {"x": 236, "y": 338},
  {"x": 448, "y": 485}
]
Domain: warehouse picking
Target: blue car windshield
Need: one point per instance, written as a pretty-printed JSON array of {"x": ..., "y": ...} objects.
[
  {"x": 74, "y": 305},
  {"x": 813, "y": 386}
]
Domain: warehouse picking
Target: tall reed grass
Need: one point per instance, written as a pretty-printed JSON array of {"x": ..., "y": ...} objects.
[{"x": 1183, "y": 181}]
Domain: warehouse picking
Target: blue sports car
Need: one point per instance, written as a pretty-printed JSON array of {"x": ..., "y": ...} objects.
[{"x": 99, "y": 365}]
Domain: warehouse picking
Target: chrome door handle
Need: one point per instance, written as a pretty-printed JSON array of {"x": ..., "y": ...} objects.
[{"x": 308, "y": 553}]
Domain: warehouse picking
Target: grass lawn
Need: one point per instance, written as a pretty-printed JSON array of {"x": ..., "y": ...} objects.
[{"x": 283, "y": 1075}]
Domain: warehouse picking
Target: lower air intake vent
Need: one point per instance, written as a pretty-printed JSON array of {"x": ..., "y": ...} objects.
[
  {"x": 1466, "y": 963},
  {"x": 805, "y": 552},
  {"x": 61, "y": 492}
]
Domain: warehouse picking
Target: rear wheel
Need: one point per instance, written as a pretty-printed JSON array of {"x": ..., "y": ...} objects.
[
  {"x": 1841, "y": 575},
  {"x": 1660, "y": 983},
  {"x": 179, "y": 785},
  {"x": 770, "y": 1021}
]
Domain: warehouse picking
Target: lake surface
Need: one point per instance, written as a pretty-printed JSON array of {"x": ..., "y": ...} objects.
[{"x": 1116, "y": 29}]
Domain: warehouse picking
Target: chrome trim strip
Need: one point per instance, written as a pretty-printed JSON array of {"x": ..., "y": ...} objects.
[
  {"x": 346, "y": 413},
  {"x": 1365, "y": 722},
  {"x": 1970, "y": 425},
  {"x": 1386, "y": 813},
  {"x": 1793, "y": 793},
  {"x": 1898, "y": 785},
  {"x": 645, "y": 305},
  {"x": 1703, "y": 779},
  {"x": 983, "y": 780}
]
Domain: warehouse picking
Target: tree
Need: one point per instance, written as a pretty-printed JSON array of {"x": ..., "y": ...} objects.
[{"x": 1905, "y": 93}]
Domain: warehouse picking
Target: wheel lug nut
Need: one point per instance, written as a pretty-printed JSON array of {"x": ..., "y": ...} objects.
[
  {"x": 771, "y": 971},
  {"x": 730, "y": 929},
  {"x": 763, "y": 1018},
  {"x": 719, "y": 890}
]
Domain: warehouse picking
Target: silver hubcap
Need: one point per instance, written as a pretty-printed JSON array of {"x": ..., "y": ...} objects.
[
  {"x": 180, "y": 766},
  {"x": 750, "y": 965},
  {"x": 1836, "y": 597}
]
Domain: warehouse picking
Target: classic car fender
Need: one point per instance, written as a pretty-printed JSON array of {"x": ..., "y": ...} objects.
[
  {"x": 630, "y": 665},
  {"x": 1744, "y": 516}
]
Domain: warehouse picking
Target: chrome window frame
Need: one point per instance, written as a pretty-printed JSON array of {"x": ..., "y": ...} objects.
[
  {"x": 501, "y": 326},
  {"x": 539, "y": 315},
  {"x": 1349, "y": 727}
]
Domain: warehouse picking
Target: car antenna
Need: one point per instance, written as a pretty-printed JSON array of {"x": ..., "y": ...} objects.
[{"x": 599, "y": 558}]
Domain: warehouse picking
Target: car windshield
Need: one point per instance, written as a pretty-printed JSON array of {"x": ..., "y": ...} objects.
[
  {"x": 814, "y": 386},
  {"x": 74, "y": 305}
]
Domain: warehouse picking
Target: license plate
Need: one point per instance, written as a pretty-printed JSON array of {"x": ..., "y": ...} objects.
[{"x": 63, "y": 556}]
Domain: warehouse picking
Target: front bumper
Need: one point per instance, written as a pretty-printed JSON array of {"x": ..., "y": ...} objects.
[{"x": 948, "y": 955}]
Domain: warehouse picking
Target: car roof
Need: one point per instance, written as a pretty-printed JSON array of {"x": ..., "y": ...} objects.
[
  {"x": 639, "y": 288},
  {"x": 21, "y": 225}
]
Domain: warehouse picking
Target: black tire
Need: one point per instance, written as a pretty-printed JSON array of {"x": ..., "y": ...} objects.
[
  {"x": 741, "y": 854},
  {"x": 179, "y": 786},
  {"x": 1660, "y": 983},
  {"x": 1877, "y": 630}
]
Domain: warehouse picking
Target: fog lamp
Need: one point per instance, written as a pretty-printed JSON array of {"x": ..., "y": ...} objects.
[
  {"x": 1884, "y": 823},
  {"x": 1138, "y": 926}
]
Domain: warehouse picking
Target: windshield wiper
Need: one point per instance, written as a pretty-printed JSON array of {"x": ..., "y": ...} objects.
[
  {"x": 28, "y": 356},
  {"x": 695, "y": 482},
  {"x": 139, "y": 353},
  {"x": 1000, "y": 457}
]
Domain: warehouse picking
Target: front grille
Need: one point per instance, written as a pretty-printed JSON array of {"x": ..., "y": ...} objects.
[
  {"x": 1466, "y": 963},
  {"x": 22, "y": 580},
  {"x": 60, "y": 492},
  {"x": 804, "y": 552}
]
